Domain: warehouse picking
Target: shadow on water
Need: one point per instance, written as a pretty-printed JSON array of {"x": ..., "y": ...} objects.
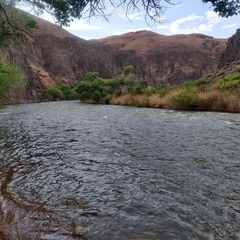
[{"x": 75, "y": 171}]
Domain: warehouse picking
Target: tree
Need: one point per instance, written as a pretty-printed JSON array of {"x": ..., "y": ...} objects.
[
  {"x": 225, "y": 8},
  {"x": 66, "y": 10},
  {"x": 13, "y": 24}
]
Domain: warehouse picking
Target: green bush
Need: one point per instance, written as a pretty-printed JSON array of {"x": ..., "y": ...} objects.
[
  {"x": 138, "y": 89},
  {"x": 91, "y": 76},
  {"x": 62, "y": 92},
  {"x": 162, "y": 91},
  {"x": 199, "y": 84},
  {"x": 73, "y": 95},
  {"x": 128, "y": 70},
  {"x": 115, "y": 82},
  {"x": 118, "y": 93},
  {"x": 68, "y": 92},
  {"x": 85, "y": 96},
  {"x": 9, "y": 78},
  {"x": 151, "y": 91},
  {"x": 55, "y": 93},
  {"x": 83, "y": 86},
  {"x": 230, "y": 82},
  {"x": 97, "y": 84},
  {"x": 185, "y": 100},
  {"x": 107, "y": 99},
  {"x": 97, "y": 95}
]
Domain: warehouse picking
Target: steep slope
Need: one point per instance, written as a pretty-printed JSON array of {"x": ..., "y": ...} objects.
[
  {"x": 230, "y": 61},
  {"x": 232, "y": 52},
  {"x": 171, "y": 59}
]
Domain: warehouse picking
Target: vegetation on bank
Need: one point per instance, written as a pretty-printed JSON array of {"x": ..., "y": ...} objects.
[
  {"x": 219, "y": 95},
  {"x": 62, "y": 92},
  {"x": 10, "y": 77},
  {"x": 14, "y": 25}
]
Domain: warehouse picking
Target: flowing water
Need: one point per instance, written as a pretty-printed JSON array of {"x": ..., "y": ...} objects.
[{"x": 119, "y": 172}]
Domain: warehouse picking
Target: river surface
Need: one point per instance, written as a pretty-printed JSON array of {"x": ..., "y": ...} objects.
[{"x": 119, "y": 172}]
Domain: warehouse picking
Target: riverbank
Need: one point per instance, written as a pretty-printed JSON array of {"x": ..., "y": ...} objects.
[
  {"x": 206, "y": 94},
  {"x": 177, "y": 100}
]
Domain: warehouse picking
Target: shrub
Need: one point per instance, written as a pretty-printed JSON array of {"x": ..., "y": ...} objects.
[
  {"x": 9, "y": 78},
  {"x": 107, "y": 99},
  {"x": 138, "y": 89},
  {"x": 55, "y": 93},
  {"x": 91, "y": 76},
  {"x": 199, "y": 84},
  {"x": 83, "y": 86},
  {"x": 185, "y": 100},
  {"x": 151, "y": 91},
  {"x": 230, "y": 82},
  {"x": 162, "y": 91},
  {"x": 118, "y": 93},
  {"x": 96, "y": 96},
  {"x": 68, "y": 92},
  {"x": 97, "y": 84},
  {"x": 84, "y": 96},
  {"x": 115, "y": 82},
  {"x": 128, "y": 70}
]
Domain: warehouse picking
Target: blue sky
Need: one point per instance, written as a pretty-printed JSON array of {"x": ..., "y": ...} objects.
[{"x": 189, "y": 16}]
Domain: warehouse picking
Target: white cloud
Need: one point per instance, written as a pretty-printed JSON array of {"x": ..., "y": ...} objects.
[
  {"x": 212, "y": 18},
  {"x": 190, "y": 18},
  {"x": 192, "y": 24},
  {"x": 229, "y": 26}
]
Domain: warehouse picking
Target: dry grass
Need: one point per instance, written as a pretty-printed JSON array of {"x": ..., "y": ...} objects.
[
  {"x": 125, "y": 100},
  {"x": 220, "y": 101},
  {"x": 211, "y": 100},
  {"x": 143, "y": 100}
]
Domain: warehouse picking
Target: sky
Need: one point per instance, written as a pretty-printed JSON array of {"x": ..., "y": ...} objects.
[{"x": 189, "y": 16}]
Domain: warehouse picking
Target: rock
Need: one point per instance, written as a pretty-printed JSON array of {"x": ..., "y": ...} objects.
[
  {"x": 232, "y": 52},
  {"x": 230, "y": 60},
  {"x": 170, "y": 60},
  {"x": 92, "y": 212},
  {"x": 78, "y": 231}
]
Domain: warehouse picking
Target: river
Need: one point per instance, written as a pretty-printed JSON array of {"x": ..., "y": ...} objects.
[{"x": 119, "y": 172}]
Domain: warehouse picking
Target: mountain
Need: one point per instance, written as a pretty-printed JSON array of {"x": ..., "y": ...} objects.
[
  {"x": 170, "y": 60},
  {"x": 52, "y": 55},
  {"x": 230, "y": 60}
]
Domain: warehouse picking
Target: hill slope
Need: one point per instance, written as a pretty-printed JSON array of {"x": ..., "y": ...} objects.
[{"x": 52, "y": 55}]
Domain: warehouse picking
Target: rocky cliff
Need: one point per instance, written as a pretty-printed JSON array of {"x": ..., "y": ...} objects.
[
  {"x": 52, "y": 55},
  {"x": 171, "y": 60},
  {"x": 232, "y": 52},
  {"x": 230, "y": 60}
]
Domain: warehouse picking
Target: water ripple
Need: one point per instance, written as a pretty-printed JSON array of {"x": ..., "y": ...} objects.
[{"x": 120, "y": 172}]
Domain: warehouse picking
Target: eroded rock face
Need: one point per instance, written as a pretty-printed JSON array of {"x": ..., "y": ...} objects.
[
  {"x": 232, "y": 52},
  {"x": 52, "y": 55},
  {"x": 33, "y": 90},
  {"x": 171, "y": 60}
]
